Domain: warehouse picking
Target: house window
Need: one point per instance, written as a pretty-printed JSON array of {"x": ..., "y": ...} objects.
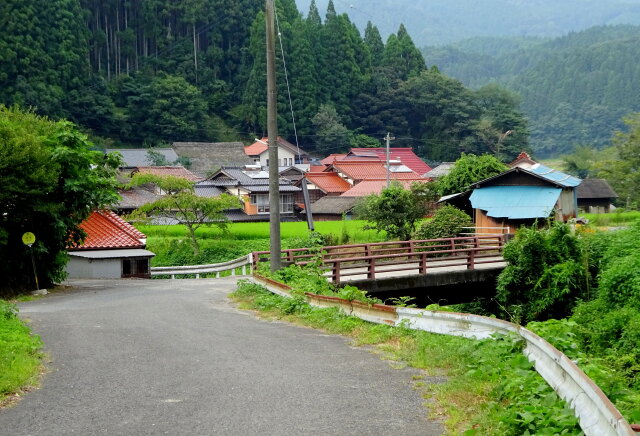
[
  {"x": 286, "y": 203},
  {"x": 261, "y": 201}
]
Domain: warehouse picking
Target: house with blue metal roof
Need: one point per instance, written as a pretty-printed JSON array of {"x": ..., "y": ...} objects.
[
  {"x": 527, "y": 192},
  {"x": 520, "y": 196}
]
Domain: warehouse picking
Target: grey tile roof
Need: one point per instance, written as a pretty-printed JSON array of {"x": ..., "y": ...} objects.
[
  {"x": 209, "y": 156},
  {"x": 137, "y": 157},
  {"x": 207, "y": 191},
  {"x": 334, "y": 205},
  {"x": 265, "y": 188},
  {"x": 441, "y": 170},
  {"x": 233, "y": 176}
]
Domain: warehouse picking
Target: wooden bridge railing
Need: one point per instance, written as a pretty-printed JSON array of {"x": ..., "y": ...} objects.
[{"x": 384, "y": 257}]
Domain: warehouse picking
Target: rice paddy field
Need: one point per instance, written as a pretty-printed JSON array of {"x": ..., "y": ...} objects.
[{"x": 172, "y": 247}]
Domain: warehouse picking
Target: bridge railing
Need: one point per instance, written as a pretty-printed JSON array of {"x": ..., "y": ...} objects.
[
  {"x": 239, "y": 264},
  {"x": 370, "y": 260}
]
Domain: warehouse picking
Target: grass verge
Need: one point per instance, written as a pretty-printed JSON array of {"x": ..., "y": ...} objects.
[
  {"x": 20, "y": 355},
  {"x": 491, "y": 387}
]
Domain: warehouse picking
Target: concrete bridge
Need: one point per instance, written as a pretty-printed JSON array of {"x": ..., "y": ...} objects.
[{"x": 451, "y": 269}]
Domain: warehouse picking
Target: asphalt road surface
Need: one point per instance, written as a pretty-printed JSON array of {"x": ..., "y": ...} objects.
[{"x": 152, "y": 357}]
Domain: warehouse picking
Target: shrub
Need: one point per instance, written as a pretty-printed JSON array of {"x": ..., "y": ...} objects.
[
  {"x": 546, "y": 275},
  {"x": 447, "y": 222},
  {"x": 620, "y": 283}
]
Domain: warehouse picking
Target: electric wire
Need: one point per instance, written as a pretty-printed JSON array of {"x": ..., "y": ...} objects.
[{"x": 286, "y": 77}]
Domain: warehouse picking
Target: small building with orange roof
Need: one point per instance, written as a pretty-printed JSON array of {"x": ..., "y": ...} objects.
[
  {"x": 112, "y": 249},
  {"x": 369, "y": 187},
  {"x": 323, "y": 184}
]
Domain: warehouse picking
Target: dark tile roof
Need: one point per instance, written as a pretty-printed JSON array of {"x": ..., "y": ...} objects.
[
  {"x": 135, "y": 197},
  {"x": 265, "y": 188},
  {"x": 595, "y": 188},
  {"x": 234, "y": 176},
  {"x": 334, "y": 205}
]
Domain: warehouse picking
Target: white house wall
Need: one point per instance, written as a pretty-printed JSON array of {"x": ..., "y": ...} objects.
[
  {"x": 82, "y": 268},
  {"x": 283, "y": 153}
]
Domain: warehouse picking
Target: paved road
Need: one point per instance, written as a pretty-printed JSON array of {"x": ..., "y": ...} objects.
[{"x": 175, "y": 357}]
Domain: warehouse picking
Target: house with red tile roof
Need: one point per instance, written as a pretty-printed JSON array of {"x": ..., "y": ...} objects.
[
  {"x": 112, "y": 249},
  {"x": 403, "y": 154},
  {"x": 355, "y": 171}
]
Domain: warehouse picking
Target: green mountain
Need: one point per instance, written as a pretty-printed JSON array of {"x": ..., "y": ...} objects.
[
  {"x": 575, "y": 89},
  {"x": 438, "y": 22}
]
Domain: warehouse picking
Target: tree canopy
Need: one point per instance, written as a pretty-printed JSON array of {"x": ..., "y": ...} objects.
[
  {"x": 144, "y": 72},
  {"x": 51, "y": 181},
  {"x": 396, "y": 210},
  {"x": 468, "y": 170},
  {"x": 182, "y": 204}
]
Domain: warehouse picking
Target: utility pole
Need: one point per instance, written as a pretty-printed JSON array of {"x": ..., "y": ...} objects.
[
  {"x": 272, "y": 131},
  {"x": 388, "y": 138}
]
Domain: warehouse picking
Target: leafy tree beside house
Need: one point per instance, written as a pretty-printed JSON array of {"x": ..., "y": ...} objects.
[
  {"x": 467, "y": 170},
  {"x": 181, "y": 203},
  {"x": 396, "y": 210},
  {"x": 51, "y": 181}
]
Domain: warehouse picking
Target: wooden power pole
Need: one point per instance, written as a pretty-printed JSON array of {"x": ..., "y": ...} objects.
[{"x": 272, "y": 131}]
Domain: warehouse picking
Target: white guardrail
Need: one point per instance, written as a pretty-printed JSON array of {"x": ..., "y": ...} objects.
[
  {"x": 217, "y": 268},
  {"x": 595, "y": 412}
]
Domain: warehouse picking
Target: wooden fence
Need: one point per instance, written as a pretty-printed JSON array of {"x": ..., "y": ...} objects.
[{"x": 371, "y": 260}]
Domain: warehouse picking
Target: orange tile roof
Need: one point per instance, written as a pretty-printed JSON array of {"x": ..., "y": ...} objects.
[
  {"x": 317, "y": 168},
  {"x": 181, "y": 172},
  {"x": 332, "y": 157},
  {"x": 368, "y": 187},
  {"x": 257, "y": 148},
  {"x": 105, "y": 230},
  {"x": 368, "y": 169},
  {"x": 403, "y": 154},
  {"x": 328, "y": 182}
]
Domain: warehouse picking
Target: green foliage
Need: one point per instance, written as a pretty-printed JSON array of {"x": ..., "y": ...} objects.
[
  {"x": 395, "y": 210},
  {"x": 546, "y": 74},
  {"x": 19, "y": 352},
  {"x": 622, "y": 171},
  {"x": 448, "y": 222},
  {"x": 51, "y": 181},
  {"x": 547, "y": 272},
  {"x": 467, "y": 170},
  {"x": 588, "y": 338}
]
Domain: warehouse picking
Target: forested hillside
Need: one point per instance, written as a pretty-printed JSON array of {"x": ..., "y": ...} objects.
[
  {"x": 438, "y": 22},
  {"x": 143, "y": 72},
  {"x": 575, "y": 89}
]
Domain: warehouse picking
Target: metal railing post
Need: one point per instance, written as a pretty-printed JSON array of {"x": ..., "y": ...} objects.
[
  {"x": 372, "y": 269},
  {"x": 336, "y": 272}
]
